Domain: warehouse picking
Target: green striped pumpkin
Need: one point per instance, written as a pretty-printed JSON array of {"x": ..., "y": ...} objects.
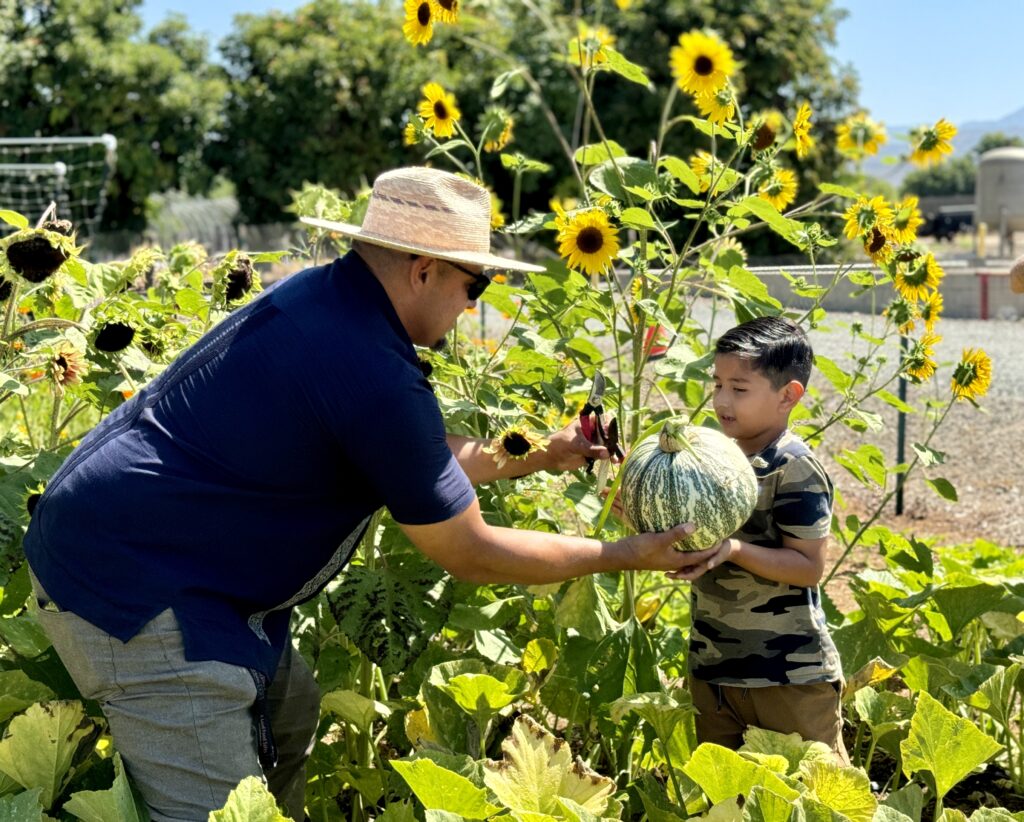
[{"x": 688, "y": 474}]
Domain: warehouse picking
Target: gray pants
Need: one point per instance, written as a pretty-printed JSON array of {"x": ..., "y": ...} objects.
[{"x": 185, "y": 729}]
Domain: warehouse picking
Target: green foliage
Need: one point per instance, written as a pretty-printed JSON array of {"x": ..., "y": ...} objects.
[
  {"x": 953, "y": 177},
  {"x": 79, "y": 67}
]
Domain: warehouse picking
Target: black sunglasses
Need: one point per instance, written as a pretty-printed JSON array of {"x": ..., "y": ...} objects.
[{"x": 479, "y": 284}]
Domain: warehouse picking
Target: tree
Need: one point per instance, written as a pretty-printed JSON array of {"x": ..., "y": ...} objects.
[
  {"x": 995, "y": 139},
  {"x": 321, "y": 94},
  {"x": 81, "y": 67}
]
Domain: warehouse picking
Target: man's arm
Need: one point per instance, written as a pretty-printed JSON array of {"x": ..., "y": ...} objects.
[
  {"x": 470, "y": 549},
  {"x": 798, "y": 562},
  {"x": 567, "y": 449}
]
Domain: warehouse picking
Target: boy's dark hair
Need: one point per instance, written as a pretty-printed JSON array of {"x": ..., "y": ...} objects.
[{"x": 776, "y": 347}]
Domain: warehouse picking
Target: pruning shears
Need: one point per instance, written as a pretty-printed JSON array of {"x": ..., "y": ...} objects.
[{"x": 594, "y": 429}]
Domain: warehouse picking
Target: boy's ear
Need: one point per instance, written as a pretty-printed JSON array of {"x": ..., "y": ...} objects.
[{"x": 792, "y": 392}]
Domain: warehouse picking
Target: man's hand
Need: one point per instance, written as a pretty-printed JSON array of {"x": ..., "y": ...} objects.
[
  {"x": 709, "y": 558},
  {"x": 568, "y": 449},
  {"x": 657, "y": 552}
]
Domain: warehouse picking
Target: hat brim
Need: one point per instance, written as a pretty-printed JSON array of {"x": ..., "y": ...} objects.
[{"x": 471, "y": 257}]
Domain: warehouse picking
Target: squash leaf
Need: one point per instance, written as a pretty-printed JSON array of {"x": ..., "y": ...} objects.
[
  {"x": 537, "y": 770},
  {"x": 441, "y": 789},
  {"x": 39, "y": 747},
  {"x": 946, "y": 745},
  {"x": 251, "y": 801},
  {"x": 116, "y": 803}
]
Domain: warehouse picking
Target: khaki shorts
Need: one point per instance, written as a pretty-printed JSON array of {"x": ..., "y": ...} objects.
[{"x": 726, "y": 711}]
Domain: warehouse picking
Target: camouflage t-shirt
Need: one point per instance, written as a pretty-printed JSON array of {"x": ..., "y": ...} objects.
[{"x": 751, "y": 631}]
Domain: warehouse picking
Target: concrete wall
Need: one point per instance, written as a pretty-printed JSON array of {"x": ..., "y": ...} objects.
[{"x": 968, "y": 292}]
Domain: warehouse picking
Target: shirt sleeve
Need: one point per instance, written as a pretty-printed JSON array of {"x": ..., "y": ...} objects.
[
  {"x": 803, "y": 499},
  {"x": 398, "y": 445}
]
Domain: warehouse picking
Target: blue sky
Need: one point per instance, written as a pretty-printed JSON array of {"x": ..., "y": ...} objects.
[{"x": 917, "y": 60}]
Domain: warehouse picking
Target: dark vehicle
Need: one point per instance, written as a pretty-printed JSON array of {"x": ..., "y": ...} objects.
[{"x": 947, "y": 221}]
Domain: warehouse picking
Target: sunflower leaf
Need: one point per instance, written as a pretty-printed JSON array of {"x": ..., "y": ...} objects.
[
  {"x": 596, "y": 153},
  {"x": 944, "y": 488},
  {"x": 14, "y": 218},
  {"x": 623, "y": 67}
]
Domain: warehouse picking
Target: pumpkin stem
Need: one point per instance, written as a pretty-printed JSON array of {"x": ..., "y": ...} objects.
[{"x": 674, "y": 437}]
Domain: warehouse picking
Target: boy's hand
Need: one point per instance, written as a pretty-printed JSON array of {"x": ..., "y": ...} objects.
[
  {"x": 709, "y": 558},
  {"x": 657, "y": 552}
]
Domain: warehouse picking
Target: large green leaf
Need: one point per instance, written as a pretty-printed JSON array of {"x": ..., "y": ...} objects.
[
  {"x": 482, "y": 695},
  {"x": 961, "y": 605},
  {"x": 620, "y": 65},
  {"x": 441, "y": 789},
  {"x": 791, "y": 747},
  {"x": 783, "y": 226},
  {"x": 391, "y": 613},
  {"x": 723, "y": 773},
  {"x": 583, "y": 608},
  {"x": 17, "y": 692},
  {"x": 845, "y": 790},
  {"x": 908, "y": 800},
  {"x": 765, "y": 806},
  {"x": 610, "y": 176},
  {"x": 40, "y": 746},
  {"x": 354, "y": 708},
  {"x": 251, "y": 801},
  {"x": 538, "y": 769},
  {"x": 997, "y": 695},
  {"x": 659, "y": 710},
  {"x": 944, "y": 744},
  {"x": 113, "y": 805},
  {"x": 23, "y": 807}
]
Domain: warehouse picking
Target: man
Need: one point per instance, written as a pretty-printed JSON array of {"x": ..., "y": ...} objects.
[{"x": 169, "y": 549}]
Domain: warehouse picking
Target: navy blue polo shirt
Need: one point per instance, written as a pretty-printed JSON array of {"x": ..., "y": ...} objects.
[{"x": 241, "y": 479}]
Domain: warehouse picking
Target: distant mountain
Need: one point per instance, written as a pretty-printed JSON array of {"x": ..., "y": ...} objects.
[{"x": 967, "y": 138}]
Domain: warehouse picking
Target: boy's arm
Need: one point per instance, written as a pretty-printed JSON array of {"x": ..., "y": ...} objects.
[{"x": 799, "y": 562}]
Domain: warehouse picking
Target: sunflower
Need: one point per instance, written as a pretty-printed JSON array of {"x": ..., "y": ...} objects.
[
  {"x": 920, "y": 362},
  {"x": 779, "y": 189},
  {"x": 915, "y": 280},
  {"x": 701, "y": 63},
  {"x": 877, "y": 244},
  {"x": 860, "y": 136},
  {"x": 906, "y": 220},
  {"x": 439, "y": 111},
  {"x": 496, "y": 128},
  {"x": 419, "y": 21},
  {"x": 902, "y": 313},
  {"x": 497, "y": 218},
  {"x": 762, "y": 136},
  {"x": 931, "y": 143},
  {"x": 718, "y": 106},
  {"x": 587, "y": 50},
  {"x": 930, "y": 309},
  {"x": 68, "y": 365},
  {"x": 973, "y": 375},
  {"x": 516, "y": 443},
  {"x": 447, "y": 11},
  {"x": 802, "y": 130},
  {"x": 623, "y": 4},
  {"x": 413, "y": 132},
  {"x": 588, "y": 241},
  {"x": 865, "y": 214},
  {"x": 706, "y": 167}
]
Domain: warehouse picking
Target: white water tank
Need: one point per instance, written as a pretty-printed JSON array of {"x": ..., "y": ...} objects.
[{"x": 999, "y": 190}]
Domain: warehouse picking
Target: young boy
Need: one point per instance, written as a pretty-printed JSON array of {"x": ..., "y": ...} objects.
[{"x": 760, "y": 652}]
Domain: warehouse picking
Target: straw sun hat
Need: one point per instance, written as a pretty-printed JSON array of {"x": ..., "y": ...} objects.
[{"x": 428, "y": 212}]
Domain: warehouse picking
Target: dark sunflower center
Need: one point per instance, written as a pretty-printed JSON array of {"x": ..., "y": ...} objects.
[
  {"x": 423, "y": 14},
  {"x": 877, "y": 241},
  {"x": 440, "y": 110},
  {"x": 516, "y": 444},
  {"x": 763, "y": 137},
  {"x": 448, "y": 5},
  {"x": 62, "y": 363},
  {"x": 34, "y": 258},
  {"x": 114, "y": 337},
  {"x": 590, "y": 240},
  {"x": 703, "y": 65}
]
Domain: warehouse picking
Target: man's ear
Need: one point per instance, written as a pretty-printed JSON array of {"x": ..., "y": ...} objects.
[
  {"x": 792, "y": 392},
  {"x": 418, "y": 273}
]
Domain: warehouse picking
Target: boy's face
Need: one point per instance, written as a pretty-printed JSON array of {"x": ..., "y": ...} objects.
[{"x": 748, "y": 407}]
